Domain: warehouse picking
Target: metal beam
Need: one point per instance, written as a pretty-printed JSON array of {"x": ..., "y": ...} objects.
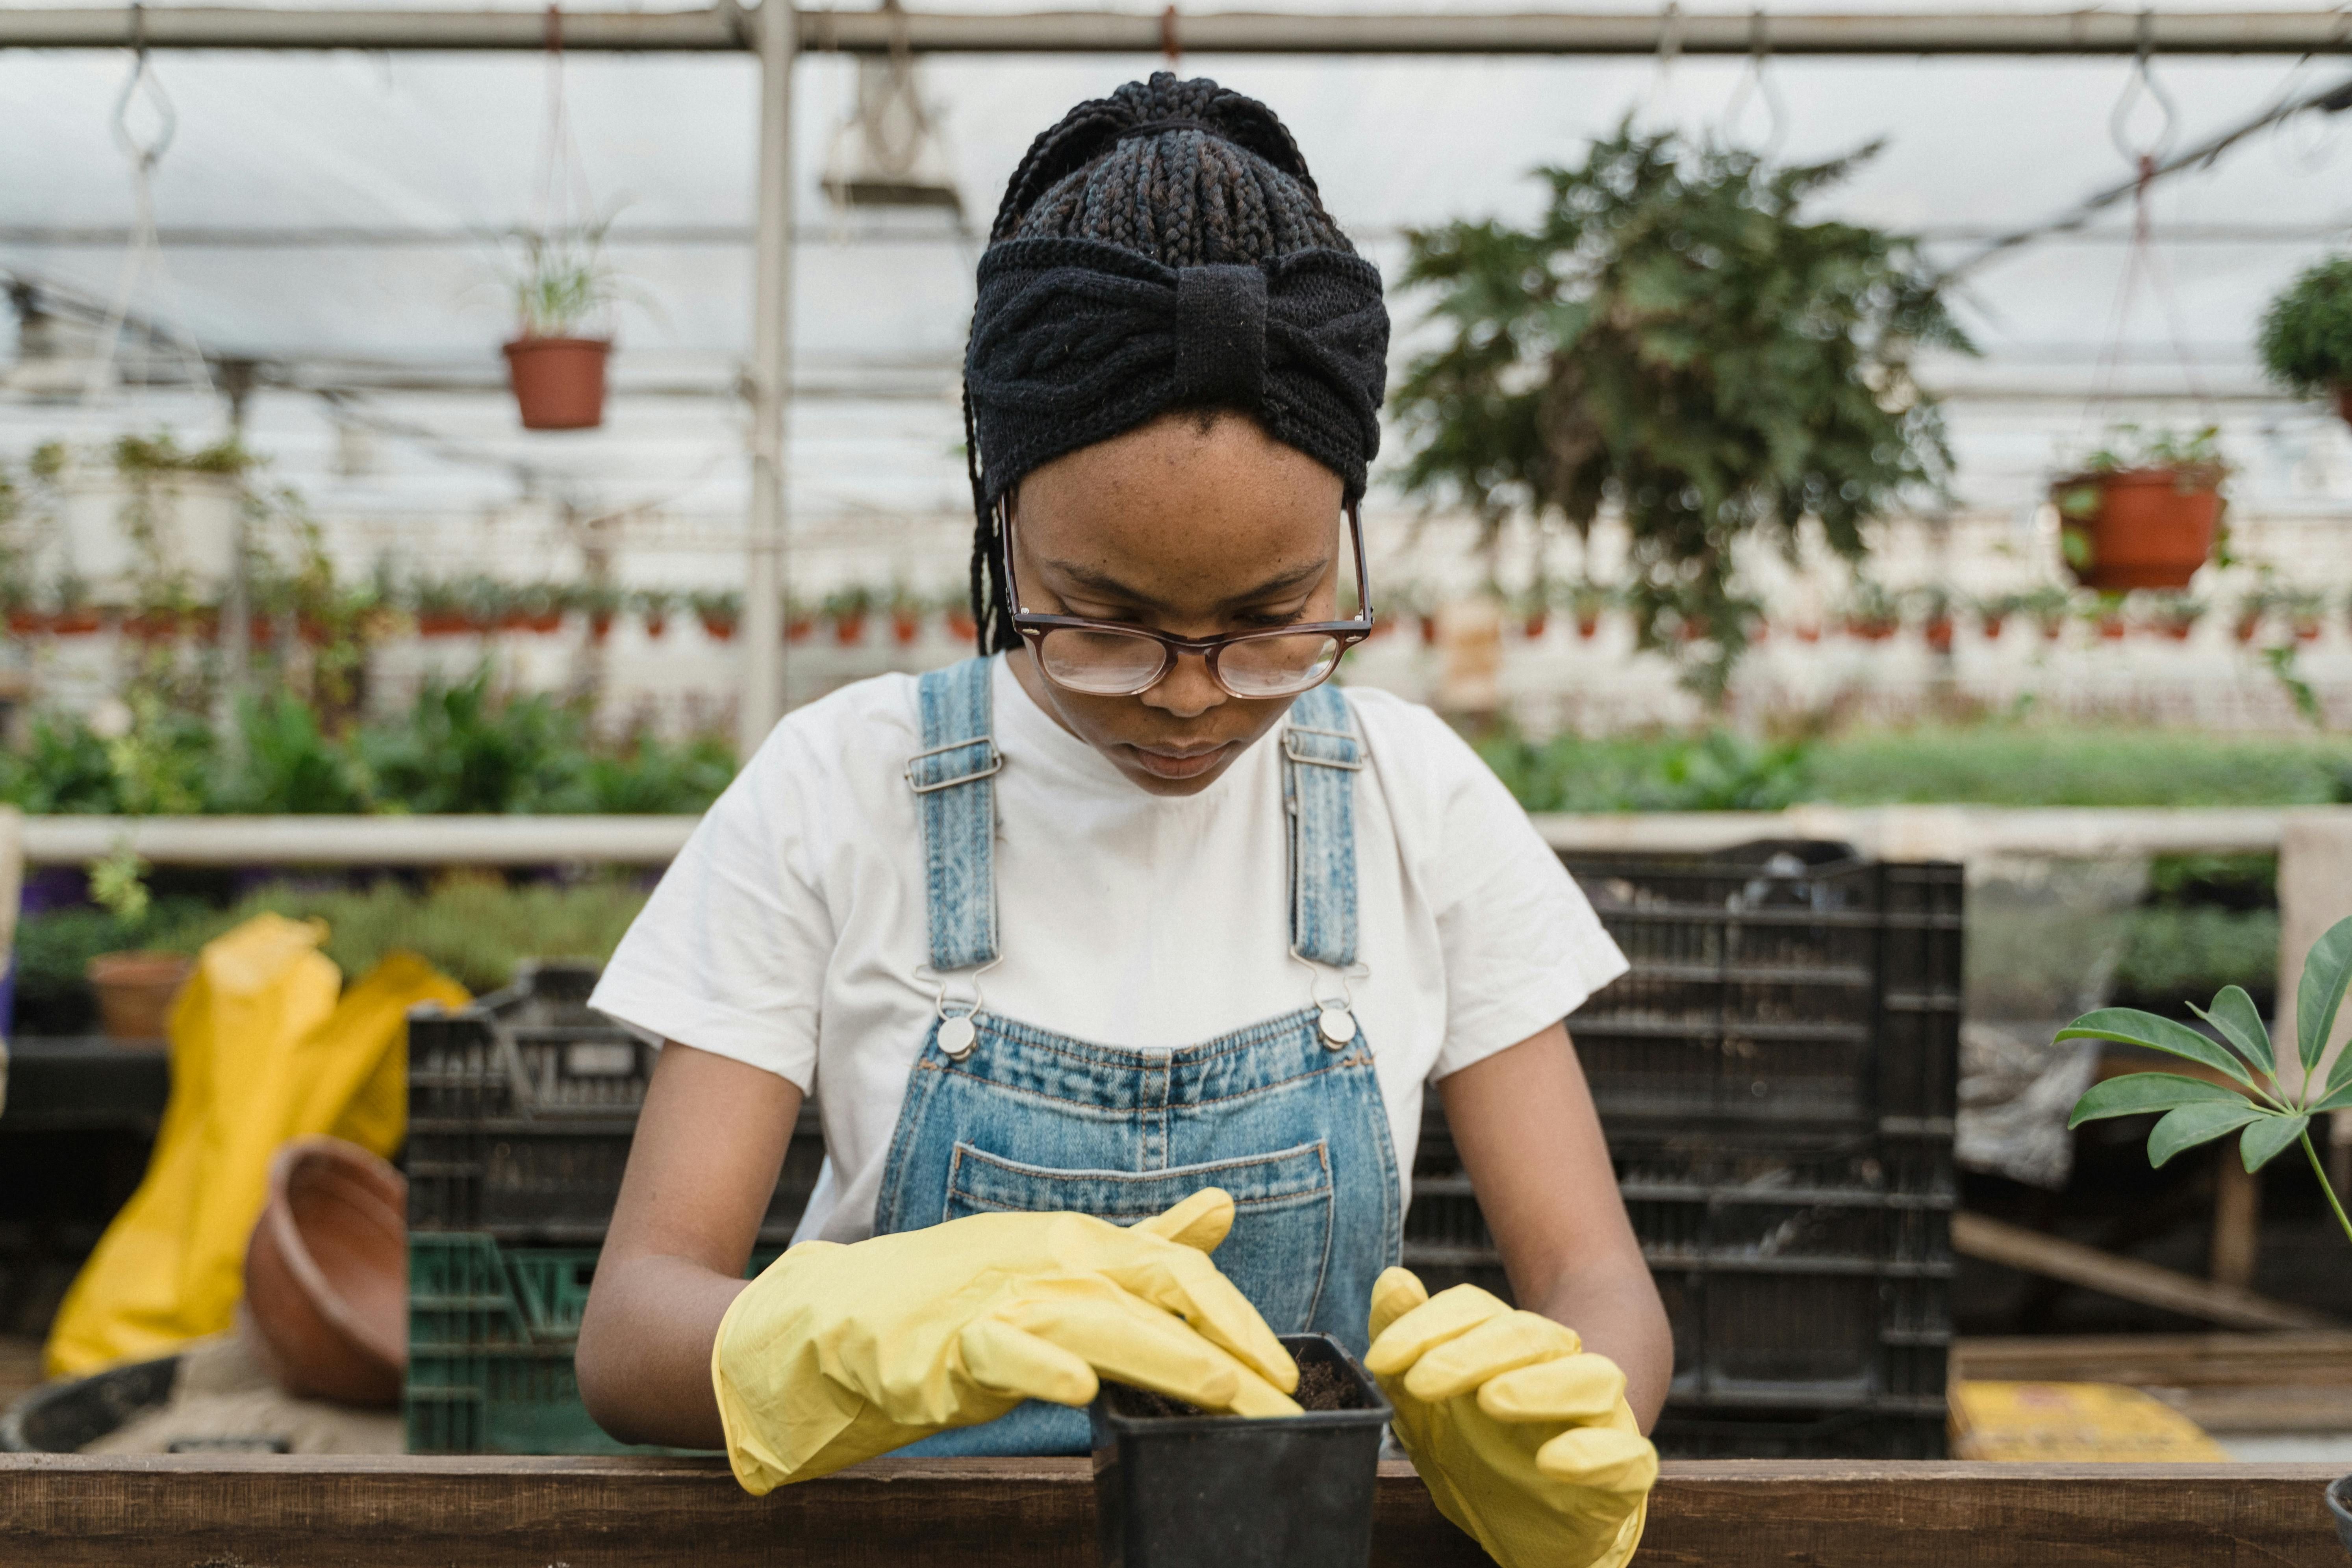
[
  {"x": 727, "y": 27},
  {"x": 760, "y": 701}
]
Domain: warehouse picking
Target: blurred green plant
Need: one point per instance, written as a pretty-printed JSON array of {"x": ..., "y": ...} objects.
[
  {"x": 2251, "y": 1096},
  {"x": 2305, "y": 341},
  {"x": 1715, "y": 771},
  {"x": 474, "y": 926},
  {"x": 1670, "y": 335}
]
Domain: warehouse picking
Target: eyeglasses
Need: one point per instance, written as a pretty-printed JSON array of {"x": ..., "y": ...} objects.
[{"x": 1110, "y": 658}]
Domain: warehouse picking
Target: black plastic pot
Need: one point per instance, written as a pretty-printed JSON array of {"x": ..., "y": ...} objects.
[
  {"x": 2339, "y": 1503},
  {"x": 1179, "y": 1490},
  {"x": 59, "y": 1417}
]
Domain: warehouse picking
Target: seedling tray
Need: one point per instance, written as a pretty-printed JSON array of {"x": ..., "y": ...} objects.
[{"x": 1189, "y": 1490}]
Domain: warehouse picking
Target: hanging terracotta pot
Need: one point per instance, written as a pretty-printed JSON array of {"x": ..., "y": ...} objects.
[
  {"x": 1938, "y": 630},
  {"x": 559, "y": 383},
  {"x": 2138, "y": 528}
]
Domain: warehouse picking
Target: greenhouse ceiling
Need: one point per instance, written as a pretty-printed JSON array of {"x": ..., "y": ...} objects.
[{"x": 335, "y": 217}]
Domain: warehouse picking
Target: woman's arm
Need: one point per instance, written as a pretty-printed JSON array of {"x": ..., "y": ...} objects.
[
  {"x": 709, "y": 1144},
  {"x": 1531, "y": 1142}
]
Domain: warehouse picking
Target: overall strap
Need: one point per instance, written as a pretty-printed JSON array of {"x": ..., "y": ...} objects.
[
  {"x": 950, "y": 779},
  {"x": 1322, "y": 752}
]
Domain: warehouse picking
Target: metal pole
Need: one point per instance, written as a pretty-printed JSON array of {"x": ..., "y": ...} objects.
[
  {"x": 1140, "y": 31},
  {"x": 761, "y": 702}
]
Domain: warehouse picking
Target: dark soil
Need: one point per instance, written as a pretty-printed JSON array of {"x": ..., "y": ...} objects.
[{"x": 1322, "y": 1386}]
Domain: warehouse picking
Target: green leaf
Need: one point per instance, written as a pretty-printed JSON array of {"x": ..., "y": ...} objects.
[
  {"x": 2130, "y": 1026},
  {"x": 2193, "y": 1124},
  {"x": 2136, "y": 1094},
  {"x": 2241, "y": 1023},
  {"x": 2340, "y": 1098},
  {"x": 2265, "y": 1138},
  {"x": 2325, "y": 974}
]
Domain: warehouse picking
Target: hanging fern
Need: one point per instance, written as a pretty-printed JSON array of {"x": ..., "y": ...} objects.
[{"x": 1669, "y": 337}]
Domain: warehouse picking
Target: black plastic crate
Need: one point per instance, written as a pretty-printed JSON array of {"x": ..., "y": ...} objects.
[
  {"x": 1779, "y": 982},
  {"x": 1799, "y": 1271},
  {"x": 521, "y": 1109}
]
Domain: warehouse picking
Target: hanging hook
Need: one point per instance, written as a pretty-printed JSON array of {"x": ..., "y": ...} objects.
[
  {"x": 2143, "y": 80},
  {"x": 1172, "y": 42},
  {"x": 1758, "y": 80},
  {"x": 146, "y": 154},
  {"x": 1658, "y": 101}
]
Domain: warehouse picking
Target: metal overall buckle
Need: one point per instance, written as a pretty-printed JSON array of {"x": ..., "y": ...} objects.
[
  {"x": 957, "y": 1033},
  {"x": 1335, "y": 1016}
]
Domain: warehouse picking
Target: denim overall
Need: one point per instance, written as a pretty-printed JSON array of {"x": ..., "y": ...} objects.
[{"x": 1286, "y": 1114}]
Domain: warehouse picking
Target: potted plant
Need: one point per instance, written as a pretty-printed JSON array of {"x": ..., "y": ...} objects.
[
  {"x": 1871, "y": 612},
  {"x": 718, "y": 611},
  {"x": 2306, "y": 612},
  {"x": 2248, "y": 620},
  {"x": 2142, "y": 511},
  {"x": 1994, "y": 611},
  {"x": 1587, "y": 603},
  {"x": 2048, "y": 607},
  {"x": 2238, "y": 1085},
  {"x": 561, "y": 286},
  {"x": 2104, "y": 612},
  {"x": 957, "y": 610},
  {"x": 2174, "y": 614},
  {"x": 2305, "y": 341},
  {"x": 1676, "y": 337},
  {"x": 441, "y": 609},
  {"x": 600, "y": 604},
  {"x": 652, "y": 607},
  {"x": 847, "y": 608},
  {"x": 1936, "y": 627},
  {"x": 906, "y": 614},
  {"x": 1162, "y": 1467}
]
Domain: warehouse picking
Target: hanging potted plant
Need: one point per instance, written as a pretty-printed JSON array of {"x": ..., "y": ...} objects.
[
  {"x": 75, "y": 615},
  {"x": 1678, "y": 337},
  {"x": 1994, "y": 611},
  {"x": 718, "y": 611},
  {"x": 800, "y": 621},
  {"x": 600, "y": 604},
  {"x": 2307, "y": 613},
  {"x": 2048, "y": 605},
  {"x": 1936, "y": 626},
  {"x": 956, "y": 611},
  {"x": 563, "y": 290},
  {"x": 2143, "y": 511},
  {"x": 1587, "y": 602},
  {"x": 2305, "y": 341}
]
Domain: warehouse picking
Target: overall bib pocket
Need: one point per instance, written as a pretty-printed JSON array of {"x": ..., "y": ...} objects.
[{"x": 1280, "y": 1244}]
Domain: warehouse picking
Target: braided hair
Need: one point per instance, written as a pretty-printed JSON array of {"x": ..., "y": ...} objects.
[{"x": 1177, "y": 174}]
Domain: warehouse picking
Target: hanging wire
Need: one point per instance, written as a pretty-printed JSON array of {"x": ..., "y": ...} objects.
[
  {"x": 2143, "y": 262},
  {"x": 1758, "y": 81},
  {"x": 1658, "y": 108},
  {"x": 143, "y": 259}
]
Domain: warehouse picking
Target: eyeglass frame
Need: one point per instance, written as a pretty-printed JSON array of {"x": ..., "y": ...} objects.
[{"x": 1033, "y": 628}]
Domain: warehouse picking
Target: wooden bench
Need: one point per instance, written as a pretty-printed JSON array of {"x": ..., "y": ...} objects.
[{"x": 211, "y": 1511}]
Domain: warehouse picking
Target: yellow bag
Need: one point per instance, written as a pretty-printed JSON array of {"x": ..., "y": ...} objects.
[{"x": 262, "y": 1051}]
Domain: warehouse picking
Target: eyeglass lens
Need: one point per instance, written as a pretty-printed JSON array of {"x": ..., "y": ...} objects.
[{"x": 1118, "y": 664}]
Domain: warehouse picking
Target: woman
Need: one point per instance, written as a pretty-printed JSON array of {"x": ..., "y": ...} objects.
[{"x": 1121, "y": 1004}]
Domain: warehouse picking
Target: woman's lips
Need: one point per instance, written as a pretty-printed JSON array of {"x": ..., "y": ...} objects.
[{"x": 1170, "y": 763}]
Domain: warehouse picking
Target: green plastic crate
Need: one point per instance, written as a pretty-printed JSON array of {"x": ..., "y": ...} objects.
[{"x": 490, "y": 1336}]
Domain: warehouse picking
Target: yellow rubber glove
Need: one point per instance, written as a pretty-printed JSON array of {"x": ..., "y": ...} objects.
[
  {"x": 836, "y": 1353},
  {"x": 1522, "y": 1438}
]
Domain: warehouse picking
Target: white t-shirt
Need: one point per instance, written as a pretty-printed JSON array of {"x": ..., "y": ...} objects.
[{"x": 788, "y": 931}]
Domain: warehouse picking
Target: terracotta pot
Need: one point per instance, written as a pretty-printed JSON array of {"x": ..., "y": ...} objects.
[
  {"x": 657, "y": 624},
  {"x": 326, "y": 1274},
  {"x": 1870, "y": 631},
  {"x": 1536, "y": 625},
  {"x": 2246, "y": 627},
  {"x": 2178, "y": 632},
  {"x": 2112, "y": 629},
  {"x": 26, "y": 623},
  {"x": 1587, "y": 626},
  {"x": 1990, "y": 625},
  {"x": 135, "y": 990},
  {"x": 717, "y": 629},
  {"x": 559, "y": 383},
  {"x": 1429, "y": 631},
  {"x": 2151, "y": 528},
  {"x": 443, "y": 622},
  {"x": 849, "y": 630},
  {"x": 1939, "y": 633},
  {"x": 904, "y": 625},
  {"x": 75, "y": 622},
  {"x": 798, "y": 629},
  {"x": 599, "y": 627},
  {"x": 2344, "y": 400},
  {"x": 1809, "y": 633},
  {"x": 962, "y": 627}
]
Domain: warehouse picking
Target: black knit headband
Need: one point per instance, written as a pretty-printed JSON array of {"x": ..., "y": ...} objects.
[{"x": 1074, "y": 342}]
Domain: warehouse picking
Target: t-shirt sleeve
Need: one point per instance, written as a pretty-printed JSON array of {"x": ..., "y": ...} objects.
[
  {"x": 729, "y": 953},
  {"x": 1522, "y": 947}
]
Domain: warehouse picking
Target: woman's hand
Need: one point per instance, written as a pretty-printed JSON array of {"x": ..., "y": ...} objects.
[
  {"x": 1522, "y": 1438},
  {"x": 837, "y": 1354}
]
